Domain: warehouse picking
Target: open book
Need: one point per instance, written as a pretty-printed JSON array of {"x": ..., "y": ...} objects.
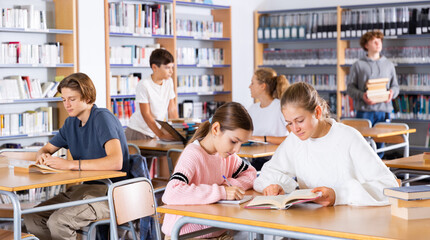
[
  {"x": 24, "y": 166},
  {"x": 283, "y": 201}
]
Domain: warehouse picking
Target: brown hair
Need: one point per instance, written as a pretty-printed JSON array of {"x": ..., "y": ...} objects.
[
  {"x": 369, "y": 36},
  {"x": 305, "y": 96},
  {"x": 230, "y": 116},
  {"x": 160, "y": 56},
  {"x": 276, "y": 85},
  {"x": 81, "y": 83}
]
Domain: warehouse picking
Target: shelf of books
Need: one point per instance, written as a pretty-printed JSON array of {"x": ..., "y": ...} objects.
[
  {"x": 38, "y": 48},
  {"x": 301, "y": 44},
  {"x": 200, "y": 43},
  {"x": 295, "y": 41}
]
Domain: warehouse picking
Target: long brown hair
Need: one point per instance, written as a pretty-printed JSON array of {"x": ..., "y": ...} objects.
[
  {"x": 276, "y": 85},
  {"x": 305, "y": 96},
  {"x": 230, "y": 116}
]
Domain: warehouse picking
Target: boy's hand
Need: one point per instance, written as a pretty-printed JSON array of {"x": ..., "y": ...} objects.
[
  {"x": 367, "y": 100},
  {"x": 390, "y": 96},
  {"x": 234, "y": 193},
  {"x": 58, "y": 163},
  {"x": 273, "y": 190},
  {"x": 327, "y": 198},
  {"x": 41, "y": 158},
  {"x": 167, "y": 137}
]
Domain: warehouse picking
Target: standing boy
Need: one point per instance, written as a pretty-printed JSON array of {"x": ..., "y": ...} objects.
[
  {"x": 372, "y": 66},
  {"x": 96, "y": 141},
  {"x": 156, "y": 98}
]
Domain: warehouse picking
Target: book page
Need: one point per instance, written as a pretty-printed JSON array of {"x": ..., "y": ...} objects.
[{"x": 245, "y": 198}]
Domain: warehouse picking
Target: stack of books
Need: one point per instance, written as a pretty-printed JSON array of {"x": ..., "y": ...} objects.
[
  {"x": 377, "y": 90},
  {"x": 411, "y": 202}
]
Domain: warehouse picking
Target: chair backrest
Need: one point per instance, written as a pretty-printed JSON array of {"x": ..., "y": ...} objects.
[
  {"x": 172, "y": 159},
  {"x": 21, "y": 154},
  {"x": 356, "y": 122},
  {"x": 130, "y": 200},
  {"x": 393, "y": 139},
  {"x": 133, "y": 149}
]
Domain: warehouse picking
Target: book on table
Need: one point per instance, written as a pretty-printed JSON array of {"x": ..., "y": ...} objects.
[
  {"x": 25, "y": 166},
  {"x": 409, "y": 193},
  {"x": 283, "y": 201},
  {"x": 410, "y": 210},
  {"x": 245, "y": 198}
]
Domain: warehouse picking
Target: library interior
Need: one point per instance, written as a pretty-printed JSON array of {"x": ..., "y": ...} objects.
[{"x": 166, "y": 118}]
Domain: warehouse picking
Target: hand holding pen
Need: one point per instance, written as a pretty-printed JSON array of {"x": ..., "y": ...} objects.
[{"x": 233, "y": 192}]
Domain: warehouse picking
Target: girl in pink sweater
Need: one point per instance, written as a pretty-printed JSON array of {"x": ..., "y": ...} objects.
[{"x": 210, "y": 155}]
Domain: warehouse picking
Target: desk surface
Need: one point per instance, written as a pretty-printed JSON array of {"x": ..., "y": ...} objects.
[
  {"x": 382, "y": 132},
  {"x": 415, "y": 162},
  {"x": 10, "y": 181},
  {"x": 340, "y": 221},
  {"x": 254, "y": 151}
]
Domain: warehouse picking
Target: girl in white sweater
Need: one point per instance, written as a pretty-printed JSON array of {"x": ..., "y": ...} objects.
[{"x": 323, "y": 155}]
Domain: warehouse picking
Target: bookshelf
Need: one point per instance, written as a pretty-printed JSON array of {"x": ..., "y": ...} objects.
[
  {"x": 173, "y": 41},
  {"x": 406, "y": 69},
  {"x": 59, "y": 26}
]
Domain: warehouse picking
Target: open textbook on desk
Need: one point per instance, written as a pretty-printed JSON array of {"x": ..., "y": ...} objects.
[
  {"x": 283, "y": 201},
  {"x": 25, "y": 166}
]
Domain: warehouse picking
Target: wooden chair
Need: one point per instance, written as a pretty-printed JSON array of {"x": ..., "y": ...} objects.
[
  {"x": 356, "y": 122},
  {"x": 394, "y": 141},
  {"x": 130, "y": 200}
]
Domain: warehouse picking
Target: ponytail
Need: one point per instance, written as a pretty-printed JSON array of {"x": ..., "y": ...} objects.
[
  {"x": 276, "y": 85},
  {"x": 230, "y": 116}
]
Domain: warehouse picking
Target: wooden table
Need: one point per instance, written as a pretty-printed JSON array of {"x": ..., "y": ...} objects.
[
  {"x": 375, "y": 133},
  {"x": 306, "y": 221},
  {"x": 10, "y": 182},
  {"x": 410, "y": 165},
  {"x": 253, "y": 151}
]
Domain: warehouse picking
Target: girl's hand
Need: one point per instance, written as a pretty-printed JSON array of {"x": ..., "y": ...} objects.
[
  {"x": 58, "y": 163},
  {"x": 273, "y": 190},
  {"x": 327, "y": 198},
  {"x": 234, "y": 193}
]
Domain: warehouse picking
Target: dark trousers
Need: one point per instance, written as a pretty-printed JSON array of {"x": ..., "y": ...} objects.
[{"x": 374, "y": 118}]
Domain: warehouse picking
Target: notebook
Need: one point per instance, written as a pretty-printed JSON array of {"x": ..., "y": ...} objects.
[{"x": 166, "y": 126}]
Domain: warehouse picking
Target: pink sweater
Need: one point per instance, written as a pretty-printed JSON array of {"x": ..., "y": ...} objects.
[{"x": 197, "y": 179}]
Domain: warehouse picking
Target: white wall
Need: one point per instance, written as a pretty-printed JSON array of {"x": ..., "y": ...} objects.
[{"x": 91, "y": 45}]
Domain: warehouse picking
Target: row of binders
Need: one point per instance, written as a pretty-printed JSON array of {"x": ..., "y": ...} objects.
[
  {"x": 22, "y": 53},
  {"x": 319, "y": 81},
  {"x": 414, "y": 81},
  {"x": 22, "y": 87},
  {"x": 23, "y": 16},
  {"x": 392, "y": 21},
  {"x": 140, "y": 19},
  {"x": 197, "y": 110},
  {"x": 200, "y": 83},
  {"x": 315, "y": 25},
  {"x": 411, "y": 107},
  {"x": 131, "y": 54},
  {"x": 200, "y": 56},
  {"x": 28, "y": 122},
  {"x": 199, "y": 28},
  {"x": 124, "y": 84},
  {"x": 299, "y": 57},
  {"x": 397, "y": 55},
  {"x": 123, "y": 109}
]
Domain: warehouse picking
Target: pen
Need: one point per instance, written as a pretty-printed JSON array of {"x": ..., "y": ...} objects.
[{"x": 226, "y": 180}]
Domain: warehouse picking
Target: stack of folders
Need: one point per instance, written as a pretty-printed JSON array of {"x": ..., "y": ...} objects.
[
  {"x": 411, "y": 202},
  {"x": 377, "y": 90}
]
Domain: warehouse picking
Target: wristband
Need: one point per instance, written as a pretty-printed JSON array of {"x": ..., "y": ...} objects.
[
  {"x": 79, "y": 164},
  {"x": 265, "y": 140}
]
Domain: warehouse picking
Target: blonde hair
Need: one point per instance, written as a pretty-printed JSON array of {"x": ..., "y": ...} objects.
[
  {"x": 230, "y": 116},
  {"x": 276, "y": 85},
  {"x": 305, "y": 96}
]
